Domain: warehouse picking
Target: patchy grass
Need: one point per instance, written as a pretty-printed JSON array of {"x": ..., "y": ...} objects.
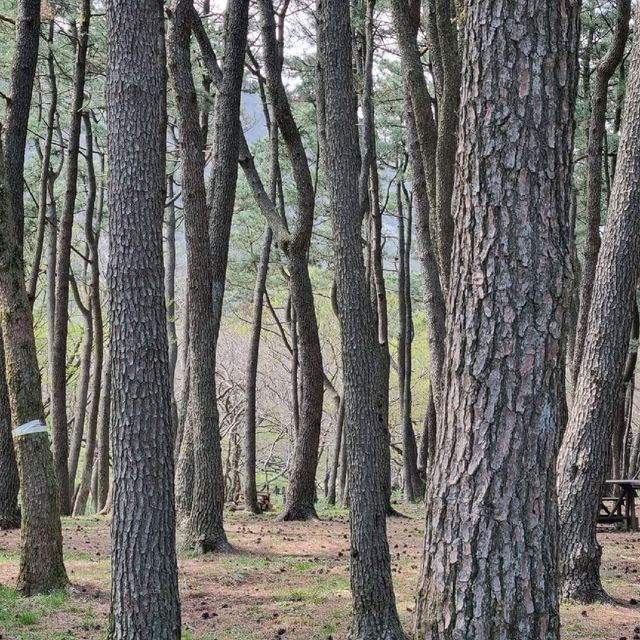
[
  {"x": 284, "y": 580},
  {"x": 17, "y": 612}
]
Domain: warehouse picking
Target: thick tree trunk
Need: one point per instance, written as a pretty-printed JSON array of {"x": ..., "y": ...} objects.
[
  {"x": 585, "y": 449},
  {"x": 17, "y": 117},
  {"x": 597, "y": 123},
  {"x": 144, "y": 595},
  {"x": 490, "y": 542},
  {"x": 374, "y": 610},
  {"x": 58, "y": 366},
  {"x": 41, "y": 563},
  {"x": 9, "y": 510}
]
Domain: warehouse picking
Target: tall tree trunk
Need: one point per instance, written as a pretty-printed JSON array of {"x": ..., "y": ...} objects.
[
  {"x": 445, "y": 65},
  {"x": 46, "y": 171},
  {"x": 41, "y": 563},
  {"x": 374, "y": 609},
  {"x": 490, "y": 540},
  {"x": 597, "y": 122},
  {"x": 300, "y": 498},
  {"x": 584, "y": 455},
  {"x": 250, "y": 488},
  {"x": 205, "y": 531},
  {"x": 421, "y": 142},
  {"x": 144, "y": 595},
  {"x": 98, "y": 330},
  {"x": 369, "y": 201},
  {"x": 82, "y": 387},
  {"x": 9, "y": 510},
  {"x": 58, "y": 366},
  {"x": 413, "y": 485},
  {"x": 23, "y": 74},
  {"x": 170, "y": 294}
]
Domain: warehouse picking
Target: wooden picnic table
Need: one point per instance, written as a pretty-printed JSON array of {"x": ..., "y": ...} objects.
[{"x": 620, "y": 508}]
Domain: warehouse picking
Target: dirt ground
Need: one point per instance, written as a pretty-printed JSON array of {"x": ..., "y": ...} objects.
[{"x": 285, "y": 580}]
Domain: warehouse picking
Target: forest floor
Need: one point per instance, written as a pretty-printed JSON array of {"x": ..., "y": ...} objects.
[{"x": 285, "y": 580}]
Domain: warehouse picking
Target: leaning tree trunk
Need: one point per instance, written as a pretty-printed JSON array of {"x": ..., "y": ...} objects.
[
  {"x": 374, "y": 609},
  {"x": 17, "y": 118},
  {"x": 585, "y": 449},
  {"x": 301, "y": 493},
  {"x": 41, "y": 563},
  {"x": 597, "y": 123},
  {"x": 490, "y": 567},
  {"x": 422, "y": 141},
  {"x": 9, "y": 510},
  {"x": 144, "y": 595}
]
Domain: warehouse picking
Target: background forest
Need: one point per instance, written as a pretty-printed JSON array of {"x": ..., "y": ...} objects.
[{"x": 295, "y": 390}]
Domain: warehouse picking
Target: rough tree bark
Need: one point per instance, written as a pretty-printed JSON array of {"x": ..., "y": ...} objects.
[
  {"x": 584, "y": 455},
  {"x": 41, "y": 563},
  {"x": 144, "y": 594},
  {"x": 597, "y": 122},
  {"x": 17, "y": 117},
  {"x": 490, "y": 568},
  {"x": 9, "y": 510},
  {"x": 445, "y": 64},
  {"x": 374, "y": 610},
  {"x": 58, "y": 365}
]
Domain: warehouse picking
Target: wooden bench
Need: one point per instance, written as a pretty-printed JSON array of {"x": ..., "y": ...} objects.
[{"x": 620, "y": 509}]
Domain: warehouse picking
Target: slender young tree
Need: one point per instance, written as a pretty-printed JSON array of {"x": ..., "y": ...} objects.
[
  {"x": 491, "y": 539},
  {"x": 250, "y": 488},
  {"x": 413, "y": 485},
  {"x": 92, "y": 238},
  {"x": 58, "y": 366},
  {"x": 144, "y": 592},
  {"x": 585, "y": 451},
  {"x": 374, "y": 609}
]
